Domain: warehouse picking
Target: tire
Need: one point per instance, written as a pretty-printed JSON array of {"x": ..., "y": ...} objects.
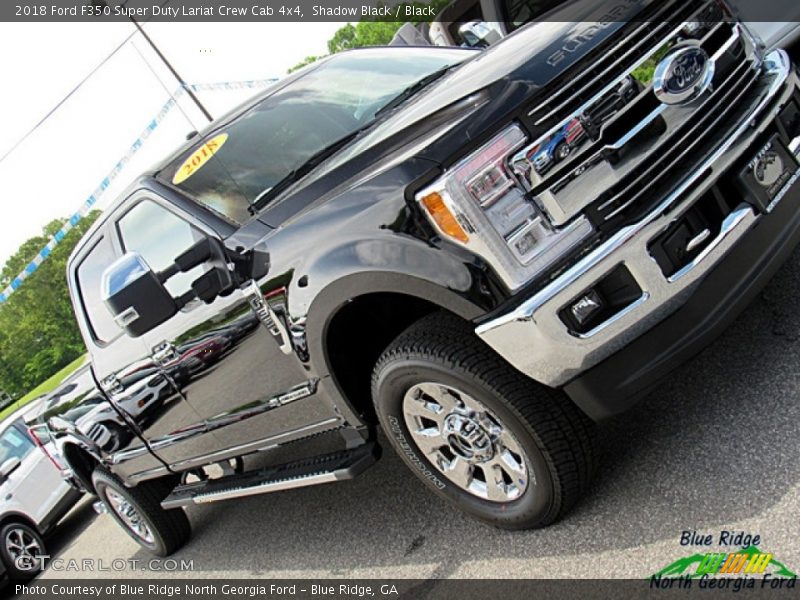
[
  {"x": 563, "y": 150},
  {"x": 159, "y": 531},
  {"x": 532, "y": 469},
  {"x": 20, "y": 545}
]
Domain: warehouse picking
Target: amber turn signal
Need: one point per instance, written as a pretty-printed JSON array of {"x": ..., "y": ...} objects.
[{"x": 441, "y": 215}]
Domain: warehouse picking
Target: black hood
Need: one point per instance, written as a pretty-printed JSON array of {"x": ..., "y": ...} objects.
[
  {"x": 498, "y": 80},
  {"x": 529, "y": 59},
  {"x": 515, "y": 70}
]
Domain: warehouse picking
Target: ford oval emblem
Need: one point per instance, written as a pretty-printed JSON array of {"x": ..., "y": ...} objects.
[{"x": 683, "y": 74}]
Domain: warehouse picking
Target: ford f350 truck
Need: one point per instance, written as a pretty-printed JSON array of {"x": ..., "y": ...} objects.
[{"x": 369, "y": 244}]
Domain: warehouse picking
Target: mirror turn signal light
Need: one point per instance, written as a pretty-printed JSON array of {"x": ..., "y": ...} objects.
[{"x": 443, "y": 217}]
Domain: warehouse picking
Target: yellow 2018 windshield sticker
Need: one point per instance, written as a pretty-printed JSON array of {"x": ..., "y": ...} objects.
[{"x": 198, "y": 158}]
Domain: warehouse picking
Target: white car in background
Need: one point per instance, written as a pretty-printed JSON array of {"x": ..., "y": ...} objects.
[
  {"x": 762, "y": 19},
  {"x": 33, "y": 496},
  {"x": 777, "y": 34}
]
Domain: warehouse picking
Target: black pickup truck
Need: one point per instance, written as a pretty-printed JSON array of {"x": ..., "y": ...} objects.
[{"x": 375, "y": 242}]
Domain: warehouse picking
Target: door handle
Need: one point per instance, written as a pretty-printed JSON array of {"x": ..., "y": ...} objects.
[{"x": 164, "y": 353}]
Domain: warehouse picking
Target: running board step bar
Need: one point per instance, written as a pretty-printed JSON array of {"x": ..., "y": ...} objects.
[{"x": 327, "y": 468}]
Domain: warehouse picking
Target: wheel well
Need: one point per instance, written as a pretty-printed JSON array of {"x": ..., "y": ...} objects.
[
  {"x": 82, "y": 464},
  {"x": 359, "y": 333},
  {"x": 18, "y": 518}
]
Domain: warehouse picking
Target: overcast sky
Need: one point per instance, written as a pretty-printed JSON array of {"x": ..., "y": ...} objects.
[{"x": 52, "y": 173}]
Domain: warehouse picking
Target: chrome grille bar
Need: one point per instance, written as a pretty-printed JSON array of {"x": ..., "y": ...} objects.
[
  {"x": 670, "y": 164},
  {"x": 715, "y": 109},
  {"x": 593, "y": 152},
  {"x": 629, "y": 61},
  {"x": 606, "y": 155}
]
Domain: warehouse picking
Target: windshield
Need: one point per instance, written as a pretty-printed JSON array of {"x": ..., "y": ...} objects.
[{"x": 242, "y": 161}]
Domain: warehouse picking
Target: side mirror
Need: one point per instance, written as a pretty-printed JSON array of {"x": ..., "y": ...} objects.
[
  {"x": 218, "y": 280},
  {"x": 135, "y": 296},
  {"x": 8, "y": 467},
  {"x": 478, "y": 34}
]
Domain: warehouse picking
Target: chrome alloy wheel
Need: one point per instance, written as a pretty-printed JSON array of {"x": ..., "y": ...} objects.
[
  {"x": 24, "y": 549},
  {"x": 130, "y": 516},
  {"x": 466, "y": 442}
]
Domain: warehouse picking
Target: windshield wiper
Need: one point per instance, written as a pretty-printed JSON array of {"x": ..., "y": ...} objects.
[
  {"x": 315, "y": 159},
  {"x": 412, "y": 90},
  {"x": 300, "y": 171}
]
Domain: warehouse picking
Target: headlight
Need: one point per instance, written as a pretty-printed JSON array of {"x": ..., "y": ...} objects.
[{"x": 478, "y": 204}]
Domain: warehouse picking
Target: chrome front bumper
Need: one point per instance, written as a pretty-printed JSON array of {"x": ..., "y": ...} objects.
[{"x": 535, "y": 340}]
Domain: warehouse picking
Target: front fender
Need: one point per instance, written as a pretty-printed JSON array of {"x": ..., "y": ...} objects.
[
  {"x": 66, "y": 439},
  {"x": 366, "y": 239},
  {"x": 408, "y": 267}
]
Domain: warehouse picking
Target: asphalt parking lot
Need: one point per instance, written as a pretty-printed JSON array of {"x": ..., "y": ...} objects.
[{"x": 714, "y": 448}]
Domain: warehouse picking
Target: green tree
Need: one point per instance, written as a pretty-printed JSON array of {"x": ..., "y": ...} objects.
[
  {"x": 343, "y": 39},
  {"x": 38, "y": 331},
  {"x": 363, "y": 34},
  {"x": 306, "y": 61}
]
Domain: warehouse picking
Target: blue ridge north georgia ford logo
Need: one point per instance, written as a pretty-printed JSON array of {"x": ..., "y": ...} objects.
[{"x": 683, "y": 74}]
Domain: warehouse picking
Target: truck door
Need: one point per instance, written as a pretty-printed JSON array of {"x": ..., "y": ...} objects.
[
  {"x": 246, "y": 387},
  {"x": 153, "y": 408}
]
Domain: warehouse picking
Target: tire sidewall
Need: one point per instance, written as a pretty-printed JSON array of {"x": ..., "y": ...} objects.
[
  {"x": 102, "y": 483},
  {"x": 13, "y": 571},
  {"x": 396, "y": 378}
]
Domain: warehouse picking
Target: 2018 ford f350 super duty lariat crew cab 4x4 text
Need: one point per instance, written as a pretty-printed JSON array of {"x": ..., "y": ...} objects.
[{"x": 374, "y": 242}]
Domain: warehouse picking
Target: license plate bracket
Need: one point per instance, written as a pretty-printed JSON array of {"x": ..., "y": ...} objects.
[{"x": 770, "y": 174}]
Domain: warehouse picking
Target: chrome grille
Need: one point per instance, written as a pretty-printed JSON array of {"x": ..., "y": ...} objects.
[
  {"x": 681, "y": 150},
  {"x": 97, "y": 432},
  {"x": 614, "y": 147},
  {"x": 576, "y": 88}
]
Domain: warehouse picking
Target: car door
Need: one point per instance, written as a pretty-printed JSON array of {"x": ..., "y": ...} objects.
[
  {"x": 35, "y": 486},
  {"x": 246, "y": 387},
  {"x": 149, "y": 407}
]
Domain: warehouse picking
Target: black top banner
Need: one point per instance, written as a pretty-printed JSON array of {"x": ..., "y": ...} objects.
[
  {"x": 415, "y": 11},
  {"x": 214, "y": 11}
]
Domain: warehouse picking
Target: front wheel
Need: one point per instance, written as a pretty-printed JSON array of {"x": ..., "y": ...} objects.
[
  {"x": 502, "y": 448},
  {"x": 22, "y": 550},
  {"x": 138, "y": 510}
]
